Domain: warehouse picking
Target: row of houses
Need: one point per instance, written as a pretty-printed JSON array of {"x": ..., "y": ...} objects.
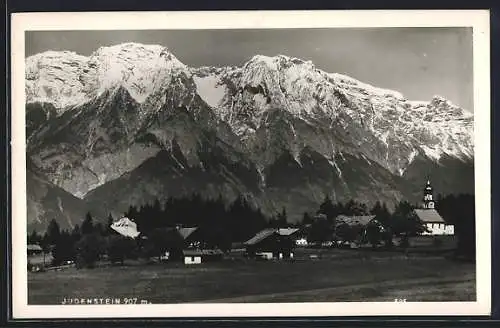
[{"x": 271, "y": 243}]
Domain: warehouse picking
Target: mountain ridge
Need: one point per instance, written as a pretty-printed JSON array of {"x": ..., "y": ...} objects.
[{"x": 95, "y": 120}]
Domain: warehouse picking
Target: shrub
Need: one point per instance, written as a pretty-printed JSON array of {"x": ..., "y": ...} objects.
[
  {"x": 88, "y": 250},
  {"x": 120, "y": 248}
]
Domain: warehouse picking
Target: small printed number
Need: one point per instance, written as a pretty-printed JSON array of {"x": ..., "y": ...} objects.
[
  {"x": 131, "y": 300},
  {"x": 400, "y": 300}
]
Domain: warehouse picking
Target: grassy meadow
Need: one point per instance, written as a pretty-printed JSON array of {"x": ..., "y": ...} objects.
[{"x": 335, "y": 275}]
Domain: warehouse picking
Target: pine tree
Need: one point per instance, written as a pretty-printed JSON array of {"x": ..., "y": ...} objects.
[
  {"x": 306, "y": 219},
  {"x": 76, "y": 233},
  {"x": 87, "y": 225},
  {"x": 108, "y": 230},
  {"x": 34, "y": 238},
  {"x": 282, "y": 218},
  {"x": 53, "y": 233},
  {"x": 327, "y": 208}
]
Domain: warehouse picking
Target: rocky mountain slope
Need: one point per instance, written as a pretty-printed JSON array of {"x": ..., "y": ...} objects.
[
  {"x": 46, "y": 201},
  {"x": 131, "y": 123}
]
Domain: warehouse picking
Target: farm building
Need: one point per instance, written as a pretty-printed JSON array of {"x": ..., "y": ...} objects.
[
  {"x": 198, "y": 256},
  {"x": 178, "y": 239},
  {"x": 428, "y": 215},
  {"x": 34, "y": 249},
  {"x": 272, "y": 243}
]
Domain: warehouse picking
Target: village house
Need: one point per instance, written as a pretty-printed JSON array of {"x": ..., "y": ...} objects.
[
  {"x": 272, "y": 243},
  {"x": 37, "y": 258},
  {"x": 34, "y": 249},
  {"x": 434, "y": 223},
  {"x": 179, "y": 239},
  {"x": 186, "y": 245}
]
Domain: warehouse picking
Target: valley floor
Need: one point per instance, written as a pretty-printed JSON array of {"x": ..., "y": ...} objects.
[{"x": 335, "y": 275}]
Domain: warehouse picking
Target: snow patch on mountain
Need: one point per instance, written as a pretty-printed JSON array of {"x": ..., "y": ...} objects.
[
  {"x": 431, "y": 152},
  {"x": 363, "y": 88},
  {"x": 141, "y": 69},
  {"x": 67, "y": 79},
  {"x": 54, "y": 77},
  {"x": 210, "y": 89}
]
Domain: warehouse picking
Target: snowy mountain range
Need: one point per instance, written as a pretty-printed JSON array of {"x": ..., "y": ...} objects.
[{"x": 131, "y": 123}]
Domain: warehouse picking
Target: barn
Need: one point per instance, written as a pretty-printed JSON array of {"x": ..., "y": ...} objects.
[{"x": 272, "y": 243}]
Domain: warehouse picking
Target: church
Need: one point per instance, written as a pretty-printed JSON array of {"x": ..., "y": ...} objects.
[{"x": 434, "y": 223}]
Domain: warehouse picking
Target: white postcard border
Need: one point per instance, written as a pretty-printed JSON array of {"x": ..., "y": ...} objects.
[{"x": 477, "y": 19}]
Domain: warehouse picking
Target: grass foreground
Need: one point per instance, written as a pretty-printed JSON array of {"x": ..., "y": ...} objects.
[{"x": 334, "y": 276}]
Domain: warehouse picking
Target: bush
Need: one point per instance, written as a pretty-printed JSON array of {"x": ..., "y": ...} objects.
[
  {"x": 120, "y": 248},
  {"x": 64, "y": 249},
  {"x": 89, "y": 250}
]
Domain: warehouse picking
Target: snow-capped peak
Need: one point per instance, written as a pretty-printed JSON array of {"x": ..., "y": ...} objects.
[
  {"x": 53, "y": 76},
  {"x": 241, "y": 96},
  {"x": 139, "y": 68},
  {"x": 401, "y": 126},
  {"x": 66, "y": 78}
]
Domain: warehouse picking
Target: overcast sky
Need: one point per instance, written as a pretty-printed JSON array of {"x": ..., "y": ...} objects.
[{"x": 418, "y": 62}]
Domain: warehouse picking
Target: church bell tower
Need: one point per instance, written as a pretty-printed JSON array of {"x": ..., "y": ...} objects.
[{"x": 428, "y": 199}]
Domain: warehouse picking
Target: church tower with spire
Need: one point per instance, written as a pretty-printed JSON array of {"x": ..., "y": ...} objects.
[
  {"x": 428, "y": 197},
  {"x": 430, "y": 218}
]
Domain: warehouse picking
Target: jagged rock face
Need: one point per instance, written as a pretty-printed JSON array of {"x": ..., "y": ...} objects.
[
  {"x": 131, "y": 123},
  {"x": 46, "y": 201},
  {"x": 382, "y": 124},
  {"x": 37, "y": 116}
]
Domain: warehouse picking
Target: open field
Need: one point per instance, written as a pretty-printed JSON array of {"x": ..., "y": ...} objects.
[{"x": 337, "y": 275}]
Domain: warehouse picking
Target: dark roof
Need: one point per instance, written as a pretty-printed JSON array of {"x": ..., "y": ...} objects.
[
  {"x": 181, "y": 232},
  {"x": 201, "y": 252},
  {"x": 429, "y": 216},
  {"x": 34, "y": 247},
  {"x": 261, "y": 235},
  {"x": 354, "y": 220}
]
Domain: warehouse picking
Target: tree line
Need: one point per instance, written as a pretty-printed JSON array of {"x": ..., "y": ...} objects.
[
  {"x": 401, "y": 222},
  {"x": 219, "y": 226}
]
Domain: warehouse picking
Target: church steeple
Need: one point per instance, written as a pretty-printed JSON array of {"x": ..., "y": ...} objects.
[{"x": 428, "y": 199}]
